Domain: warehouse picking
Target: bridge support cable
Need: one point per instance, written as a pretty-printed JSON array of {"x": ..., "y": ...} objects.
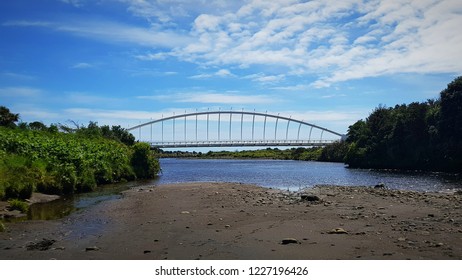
[
  {"x": 242, "y": 124},
  {"x": 276, "y": 130},
  {"x": 309, "y": 138},
  {"x": 287, "y": 130},
  {"x": 253, "y": 126},
  {"x": 208, "y": 116},
  {"x": 173, "y": 130},
  {"x": 298, "y": 133},
  {"x": 264, "y": 129},
  {"x": 230, "y": 119},
  {"x": 185, "y": 129}
]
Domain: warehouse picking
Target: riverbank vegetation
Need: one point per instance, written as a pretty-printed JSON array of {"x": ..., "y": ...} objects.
[
  {"x": 332, "y": 153},
  {"x": 423, "y": 136},
  {"x": 57, "y": 159}
]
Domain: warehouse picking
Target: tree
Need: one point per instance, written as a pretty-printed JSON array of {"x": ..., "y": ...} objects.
[
  {"x": 7, "y": 118},
  {"x": 450, "y": 126},
  {"x": 37, "y": 126}
]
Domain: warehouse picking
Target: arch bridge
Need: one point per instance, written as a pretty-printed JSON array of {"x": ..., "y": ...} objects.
[{"x": 232, "y": 129}]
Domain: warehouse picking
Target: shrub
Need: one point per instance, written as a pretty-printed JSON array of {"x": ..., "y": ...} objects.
[
  {"x": 144, "y": 163},
  {"x": 86, "y": 181},
  {"x": 16, "y": 204},
  {"x": 18, "y": 189}
]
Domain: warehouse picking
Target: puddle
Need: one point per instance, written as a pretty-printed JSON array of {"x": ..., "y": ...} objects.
[{"x": 66, "y": 205}]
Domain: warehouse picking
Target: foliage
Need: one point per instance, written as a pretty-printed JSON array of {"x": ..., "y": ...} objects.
[
  {"x": 16, "y": 204},
  {"x": 37, "y": 157},
  {"x": 426, "y": 135},
  {"x": 144, "y": 163},
  {"x": 268, "y": 153},
  {"x": 335, "y": 152},
  {"x": 7, "y": 118},
  {"x": 2, "y": 227}
]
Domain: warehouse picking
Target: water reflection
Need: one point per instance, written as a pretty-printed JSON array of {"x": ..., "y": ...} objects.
[{"x": 66, "y": 205}]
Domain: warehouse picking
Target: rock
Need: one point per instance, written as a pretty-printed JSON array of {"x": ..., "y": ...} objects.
[
  {"x": 43, "y": 245},
  {"x": 337, "y": 231},
  {"x": 185, "y": 212},
  {"x": 93, "y": 248},
  {"x": 311, "y": 198},
  {"x": 380, "y": 186},
  {"x": 286, "y": 241},
  {"x": 401, "y": 239}
]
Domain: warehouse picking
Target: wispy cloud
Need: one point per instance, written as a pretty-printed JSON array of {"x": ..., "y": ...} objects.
[
  {"x": 20, "y": 92},
  {"x": 214, "y": 98},
  {"x": 114, "y": 32},
  {"x": 82, "y": 65},
  {"x": 222, "y": 73},
  {"x": 18, "y": 76},
  {"x": 265, "y": 79}
]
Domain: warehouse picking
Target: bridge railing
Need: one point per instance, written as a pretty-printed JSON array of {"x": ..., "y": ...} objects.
[{"x": 244, "y": 143}]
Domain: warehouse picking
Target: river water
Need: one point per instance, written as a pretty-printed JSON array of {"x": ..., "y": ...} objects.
[
  {"x": 294, "y": 175},
  {"x": 279, "y": 174}
]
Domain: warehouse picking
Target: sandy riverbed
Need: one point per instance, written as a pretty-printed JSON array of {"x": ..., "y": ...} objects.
[{"x": 235, "y": 221}]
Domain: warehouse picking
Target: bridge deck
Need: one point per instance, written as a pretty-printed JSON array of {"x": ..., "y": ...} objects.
[{"x": 237, "y": 143}]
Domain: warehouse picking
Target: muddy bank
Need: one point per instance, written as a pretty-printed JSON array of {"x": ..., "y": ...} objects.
[{"x": 235, "y": 221}]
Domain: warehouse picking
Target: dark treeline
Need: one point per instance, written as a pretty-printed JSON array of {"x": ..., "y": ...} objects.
[
  {"x": 418, "y": 136},
  {"x": 332, "y": 153}
]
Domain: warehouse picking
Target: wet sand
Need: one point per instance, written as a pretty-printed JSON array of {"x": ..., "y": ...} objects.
[{"x": 235, "y": 221}]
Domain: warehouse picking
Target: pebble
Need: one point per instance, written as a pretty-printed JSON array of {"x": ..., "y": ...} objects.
[
  {"x": 185, "y": 212},
  {"x": 93, "y": 248},
  {"x": 337, "y": 231},
  {"x": 286, "y": 241},
  {"x": 308, "y": 197}
]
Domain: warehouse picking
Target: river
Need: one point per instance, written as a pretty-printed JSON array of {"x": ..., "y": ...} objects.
[
  {"x": 279, "y": 174},
  {"x": 294, "y": 175}
]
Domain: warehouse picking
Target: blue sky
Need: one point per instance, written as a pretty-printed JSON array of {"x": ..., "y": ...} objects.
[{"x": 127, "y": 61}]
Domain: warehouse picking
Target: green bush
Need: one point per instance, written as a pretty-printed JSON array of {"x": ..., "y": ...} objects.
[
  {"x": 64, "y": 163},
  {"x": 16, "y": 204},
  {"x": 86, "y": 181},
  {"x": 144, "y": 163}
]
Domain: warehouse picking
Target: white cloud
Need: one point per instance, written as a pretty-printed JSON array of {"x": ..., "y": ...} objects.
[
  {"x": 76, "y": 3},
  {"x": 333, "y": 41},
  {"x": 113, "y": 32},
  {"x": 222, "y": 73},
  {"x": 18, "y": 76},
  {"x": 82, "y": 65},
  {"x": 265, "y": 79},
  {"x": 20, "y": 92},
  {"x": 322, "y": 38},
  {"x": 214, "y": 98}
]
